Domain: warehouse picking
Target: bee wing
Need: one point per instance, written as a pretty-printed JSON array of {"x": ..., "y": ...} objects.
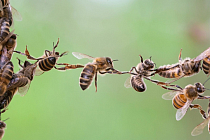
[
  {"x": 23, "y": 90},
  {"x": 203, "y": 55},
  {"x": 17, "y": 16},
  {"x": 170, "y": 95},
  {"x": 127, "y": 83},
  {"x": 1, "y": 7},
  {"x": 81, "y": 55},
  {"x": 182, "y": 111},
  {"x": 38, "y": 71},
  {"x": 199, "y": 128}
]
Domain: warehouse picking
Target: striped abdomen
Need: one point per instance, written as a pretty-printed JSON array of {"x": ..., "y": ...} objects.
[
  {"x": 171, "y": 73},
  {"x": 5, "y": 26},
  {"x": 87, "y": 76},
  {"x": 206, "y": 65},
  {"x": 4, "y": 2},
  {"x": 18, "y": 80},
  {"x": 138, "y": 84},
  {"x": 179, "y": 101},
  {"x": 47, "y": 63},
  {"x": 5, "y": 77},
  {"x": 6, "y": 98}
]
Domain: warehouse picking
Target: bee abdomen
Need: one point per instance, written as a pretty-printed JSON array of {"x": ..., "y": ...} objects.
[
  {"x": 138, "y": 83},
  {"x": 7, "y": 97},
  {"x": 5, "y": 26},
  {"x": 17, "y": 81},
  {"x": 47, "y": 63},
  {"x": 173, "y": 73},
  {"x": 206, "y": 65},
  {"x": 179, "y": 101},
  {"x": 87, "y": 76},
  {"x": 5, "y": 77}
]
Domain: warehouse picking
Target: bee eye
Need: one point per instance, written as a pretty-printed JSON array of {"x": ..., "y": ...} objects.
[{"x": 109, "y": 61}]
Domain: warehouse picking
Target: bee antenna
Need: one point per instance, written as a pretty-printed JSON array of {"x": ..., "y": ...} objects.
[
  {"x": 155, "y": 65},
  {"x": 206, "y": 81},
  {"x": 115, "y": 60},
  {"x": 150, "y": 58}
]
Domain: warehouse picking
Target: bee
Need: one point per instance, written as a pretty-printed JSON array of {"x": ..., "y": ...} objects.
[
  {"x": 141, "y": 71},
  {"x": 102, "y": 65},
  {"x": 23, "y": 78},
  {"x": 7, "y": 51},
  {"x": 6, "y": 98},
  {"x": 182, "y": 98},
  {"x": 186, "y": 68},
  {"x": 199, "y": 128},
  {"x": 48, "y": 61},
  {"x": 5, "y": 76}
]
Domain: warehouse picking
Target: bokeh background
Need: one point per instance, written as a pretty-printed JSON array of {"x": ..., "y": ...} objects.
[{"x": 56, "y": 108}]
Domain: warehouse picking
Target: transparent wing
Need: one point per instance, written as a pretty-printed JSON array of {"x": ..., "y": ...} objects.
[
  {"x": 199, "y": 128},
  {"x": 170, "y": 95},
  {"x": 127, "y": 83},
  {"x": 23, "y": 90},
  {"x": 203, "y": 55},
  {"x": 38, "y": 71},
  {"x": 81, "y": 55},
  {"x": 17, "y": 16},
  {"x": 182, "y": 111},
  {"x": 1, "y": 7}
]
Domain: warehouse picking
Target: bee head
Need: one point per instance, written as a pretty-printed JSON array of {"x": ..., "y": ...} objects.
[
  {"x": 149, "y": 64},
  {"x": 2, "y": 125},
  {"x": 199, "y": 87},
  {"x": 109, "y": 62}
]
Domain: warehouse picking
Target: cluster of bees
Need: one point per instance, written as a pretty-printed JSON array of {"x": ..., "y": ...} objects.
[{"x": 11, "y": 83}]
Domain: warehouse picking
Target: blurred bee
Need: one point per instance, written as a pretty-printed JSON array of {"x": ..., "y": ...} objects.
[
  {"x": 199, "y": 128},
  {"x": 2, "y": 127},
  {"x": 185, "y": 68},
  {"x": 182, "y": 98},
  {"x": 141, "y": 71},
  {"x": 102, "y": 65},
  {"x": 5, "y": 76},
  {"x": 48, "y": 61},
  {"x": 23, "y": 78}
]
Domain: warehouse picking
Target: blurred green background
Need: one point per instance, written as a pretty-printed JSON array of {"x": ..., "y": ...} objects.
[{"x": 56, "y": 108}]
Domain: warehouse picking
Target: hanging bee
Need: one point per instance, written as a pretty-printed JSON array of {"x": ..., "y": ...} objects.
[
  {"x": 48, "y": 61},
  {"x": 23, "y": 78},
  {"x": 102, "y": 65}
]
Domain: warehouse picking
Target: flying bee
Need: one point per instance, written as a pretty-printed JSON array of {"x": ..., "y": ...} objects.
[
  {"x": 187, "y": 67},
  {"x": 23, "y": 78},
  {"x": 182, "y": 98},
  {"x": 48, "y": 61},
  {"x": 199, "y": 128},
  {"x": 141, "y": 71},
  {"x": 102, "y": 65}
]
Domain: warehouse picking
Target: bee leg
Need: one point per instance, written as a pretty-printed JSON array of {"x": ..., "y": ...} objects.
[
  {"x": 19, "y": 63},
  {"x": 7, "y": 37},
  {"x": 96, "y": 81},
  {"x": 203, "y": 97},
  {"x": 64, "y": 53},
  {"x": 133, "y": 68},
  {"x": 55, "y": 46},
  {"x": 68, "y": 66},
  {"x": 197, "y": 106}
]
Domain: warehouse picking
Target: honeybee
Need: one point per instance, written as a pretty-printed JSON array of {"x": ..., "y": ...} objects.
[
  {"x": 141, "y": 71},
  {"x": 199, "y": 128},
  {"x": 102, "y": 65},
  {"x": 48, "y": 61},
  {"x": 6, "y": 98},
  {"x": 185, "y": 68},
  {"x": 5, "y": 76},
  {"x": 182, "y": 98},
  {"x": 23, "y": 78}
]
